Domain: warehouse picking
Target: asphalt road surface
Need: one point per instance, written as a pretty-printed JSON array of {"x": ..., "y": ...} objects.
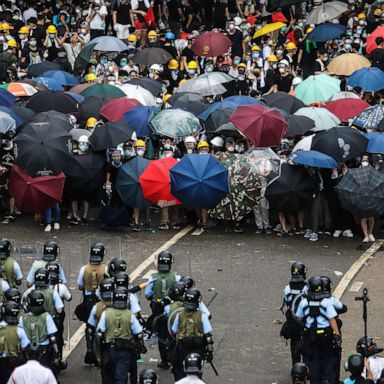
[{"x": 248, "y": 272}]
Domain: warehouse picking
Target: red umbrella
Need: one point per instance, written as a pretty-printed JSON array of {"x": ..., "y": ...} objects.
[
  {"x": 211, "y": 44},
  {"x": 346, "y": 109},
  {"x": 278, "y": 16},
  {"x": 263, "y": 126},
  {"x": 114, "y": 109},
  {"x": 155, "y": 182},
  {"x": 371, "y": 43},
  {"x": 35, "y": 194}
]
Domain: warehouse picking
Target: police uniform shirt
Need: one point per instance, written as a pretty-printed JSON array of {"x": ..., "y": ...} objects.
[
  {"x": 23, "y": 338},
  {"x": 92, "y": 317},
  {"x": 207, "y": 328},
  {"x": 202, "y": 308},
  {"x": 337, "y": 304},
  {"x": 57, "y": 302},
  {"x": 326, "y": 309},
  {"x": 31, "y": 276},
  {"x": 289, "y": 294},
  {"x": 136, "y": 328},
  {"x": 80, "y": 279},
  {"x": 50, "y": 326},
  {"x": 17, "y": 270},
  {"x": 4, "y": 285},
  {"x": 149, "y": 288},
  {"x": 63, "y": 291}
]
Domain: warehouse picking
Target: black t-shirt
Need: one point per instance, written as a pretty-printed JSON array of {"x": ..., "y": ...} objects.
[
  {"x": 237, "y": 43},
  {"x": 173, "y": 10},
  {"x": 113, "y": 172},
  {"x": 7, "y": 157},
  {"x": 122, "y": 13},
  {"x": 188, "y": 53},
  {"x": 171, "y": 50},
  {"x": 284, "y": 83},
  {"x": 377, "y": 58}
]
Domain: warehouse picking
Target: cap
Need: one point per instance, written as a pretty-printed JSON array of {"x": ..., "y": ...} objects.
[
  {"x": 91, "y": 122},
  {"x": 12, "y": 43},
  {"x": 229, "y": 140},
  {"x": 309, "y": 30},
  {"x": 166, "y": 97}
]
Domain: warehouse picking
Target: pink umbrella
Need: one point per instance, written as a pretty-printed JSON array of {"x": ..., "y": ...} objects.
[
  {"x": 211, "y": 44},
  {"x": 346, "y": 109}
]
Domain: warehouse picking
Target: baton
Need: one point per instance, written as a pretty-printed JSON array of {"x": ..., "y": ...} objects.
[{"x": 214, "y": 368}]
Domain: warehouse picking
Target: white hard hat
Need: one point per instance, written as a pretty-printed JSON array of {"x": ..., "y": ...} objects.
[
  {"x": 296, "y": 80},
  {"x": 156, "y": 67},
  {"x": 238, "y": 20},
  {"x": 83, "y": 139},
  {"x": 217, "y": 141},
  {"x": 284, "y": 62},
  {"x": 190, "y": 139}
]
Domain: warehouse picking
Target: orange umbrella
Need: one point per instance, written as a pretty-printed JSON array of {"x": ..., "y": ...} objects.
[{"x": 20, "y": 89}]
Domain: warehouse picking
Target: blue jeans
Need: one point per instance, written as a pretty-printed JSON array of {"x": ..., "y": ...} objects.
[{"x": 52, "y": 213}]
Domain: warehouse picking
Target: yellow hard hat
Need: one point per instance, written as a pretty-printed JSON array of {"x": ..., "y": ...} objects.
[
  {"x": 24, "y": 30},
  {"x": 309, "y": 30},
  {"x": 5, "y": 27},
  {"x": 291, "y": 45},
  {"x": 202, "y": 144},
  {"x": 51, "y": 29},
  {"x": 152, "y": 33},
  {"x": 242, "y": 65},
  {"x": 166, "y": 97},
  {"x": 132, "y": 38},
  {"x": 192, "y": 65},
  {"x": 272, "y": 58},
  {"x": 139, "y": 143},
  {"x": 173, "y": 64},
  {"x": 255, "y": 48},
  {"x": 361, "y": 16},
  {"x": 12, "y": 43},
  {"x": 91, "y": 77},
  {"x": 182, "y": 81},
  {"x": 91, "y": 122},
  {"x": 377, "y": 12}
]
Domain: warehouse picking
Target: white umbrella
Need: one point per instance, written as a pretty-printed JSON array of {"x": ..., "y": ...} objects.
[
  {"x": 108, "y": 44},
  {"x": 304, "y": 144},
  {"x": 139, "y": 93},
  {"x": 7, "y": 123},
  {"x": 343, "y": 95},
  {"x": 323, "y": 119},
  {"x": 326, "y": 12}
]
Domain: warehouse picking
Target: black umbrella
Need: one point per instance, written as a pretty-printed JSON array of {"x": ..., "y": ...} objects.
[
  {"x": 341, "y": 143},
  {"x": 275, "y": 4},
  {"x": 42, "y": 149},
  {"x": 36, "y": 70},
  {"x": 153, "y": 86},
  {"x": 90, "y": 107},
  {"x": 283, "y": 101},
  {"x": 110, "y": 134},
  {"x": 189, "y": 101},
  {"x": 149, "y": 56},
  {"x": 56, "y": 119},
  {"x": 292, "y": 191},
  {"x": 128, "y": 184},
  {"x": 361, "y": 191},
  {"x": 218, "y": 118},
  {"x": 228, "y": 129},
  {"x": 298, "y": 125},
  {"x": 84, "y": 176},
  {"x": 25, "y": 114},
  {"x": 57, "y": 101}
]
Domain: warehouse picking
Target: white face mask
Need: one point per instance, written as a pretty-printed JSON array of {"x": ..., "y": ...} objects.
[
  {"x": 140, "y": 152},
  {"x": 364, "y": 163},
  {"x": 168, "y": 154},
  {"x": 189, "y": 151},
  {"x": 281, "y": 70},
  {"x": 274, "y": 66}
]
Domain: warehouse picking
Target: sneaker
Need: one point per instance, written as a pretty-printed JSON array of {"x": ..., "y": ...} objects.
[
  {"x": 74, "y": 220},
  {"x": 365, "y": 240},
  {"x": 372, "y": 238},
  {"x": 176, "y": 226},
  {"x": 163, "y": 226},
  {"x": 6, "y": 220},
  {"x": 147, "y": 226},
  {"x": 337, "y": 233},
  {"x": 12, "y": 217},
  {"x": 268, "y": 231},
  {"x": 327, "y": 233},
  {"x": 259, "y": 232},
  {"x": 136, "y": 228},
  {"x": 84, "y": 221},
  {"x": 238, "y": 230},
  {"x": 17, "y": 211},
  {"x": 347, "y": 233},
  {"x": 56, "y": 226},
  {"x": 278, "y": 228},
  {"x": 314, "y": 236},
  {"x": 48, "y": 228},
  {"x": 292, "y": 232},
  {"x": 282, "y": 233},
  {"x": 307, "y": 233}
]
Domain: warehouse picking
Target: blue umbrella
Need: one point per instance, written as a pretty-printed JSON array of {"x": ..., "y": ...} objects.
[
  {"x": 6, "y": 98},
  {"x": 326, "y": 31},
  {"x": 375, "y": 143},
  {"x": 51, "y": 83},
  {"x": 368, "y": 79},
  {"x": 313, "y": 159},
  {"x": 370, "y": 118},
  {"x": 13, "y": 114},
  {"x": 199, "y": 181},
  {"x": 243, "y": 100},
  {"x": 62, "y": 77},
  {"x": 139, "y": 117},
  {"x": 79, "y": 98}
]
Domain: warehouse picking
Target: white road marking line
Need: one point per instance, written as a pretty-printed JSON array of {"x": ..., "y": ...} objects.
[
  {"x": 79, "y": 334},
  {"x": 148, "y": 275},
  {"x": 355, "y": 287}
]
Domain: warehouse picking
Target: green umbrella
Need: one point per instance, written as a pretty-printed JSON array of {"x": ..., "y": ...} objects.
[
  {"x": 317, "y": 88},
  {"x": 174, "y": 123},
  {"x": 83, "y": 58},
  {"x": 106, "y": 91}
]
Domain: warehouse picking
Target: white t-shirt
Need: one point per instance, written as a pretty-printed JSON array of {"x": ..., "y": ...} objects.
[
  {"x": 32, "y": 372},
  {"x": 97, "y": 21}
]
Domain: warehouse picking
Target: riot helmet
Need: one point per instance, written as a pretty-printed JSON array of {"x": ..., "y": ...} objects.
[
  {"x": 298, "y": 272},
  {"x": 12, "y": 294},
  {"x": 10, "y": 312},
  {"x": 53, "y": 272},
  {"x": 327, "y": 286},
  {"x": 164, "y": 261},
  {"x": 148, "y": 376},
  {"x": 355, "y": 364},
  {"x": 121, "y": 279},
  {"x": 41, "y": 278},
  {"x": 315, "y": 288},
  {"x": 35, "y": 302},
  {"x": 192, "y": 299},
  {"x": 5, "y": 249},
  {"x": 188, "y": 282},
  {"x": 367, "y": 347},
  {"x": 193, "y": 364},
  {"x": 97, "y": 253},
  {"x": 50, "y": 251},
  {"x": 120, "y": 298},
  {"x": 106, "y": 289},
  {"x": 176, "y": 291},
  {"x": 299, "y": 373},
  {"x": 116, "y": 265}
]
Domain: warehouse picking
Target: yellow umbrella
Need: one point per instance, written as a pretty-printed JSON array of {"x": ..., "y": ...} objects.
[
  {"x": 268, "y": 29},
  {"x": 347, "y": 63}
]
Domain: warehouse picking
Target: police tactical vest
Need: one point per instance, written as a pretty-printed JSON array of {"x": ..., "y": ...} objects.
[
  {"x": 49, "y": 304},
  {"x": 93, "y": 275},
  {"x": 1, "y": 289},
  {"x": 9, "y": 341},
  {"x": 35, "y": 327},
  {"x": 190, "y": 324},
  {"x": 174, "y": 307},
  {"x": 100, "y": 307},
  {"x": 118, "y": 324},
  {"x": 9, "y": 273},
  {"x": 162, "y": 284}
]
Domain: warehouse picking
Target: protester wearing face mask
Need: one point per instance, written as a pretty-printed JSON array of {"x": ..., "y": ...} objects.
[
  {"x": 101, "y": 67},
  {"x": 209, "y": 66},
  {"x": 321, "y": 62},
  {"x": 192, "y": 69},
  {"x": 217, "y": 144},
  {"x": 236, "y": 37},
  {"x": 377, "y": 13},
  {"x": 190, "y": 145},
  {"x": 173, "y": 75},
  {"x": 307, "y": 55},
  {"x": 267, "y": 50},
  {"x": 284, "y": 77},
  {"x": 111, "y": 174},
  {"x": 271, "y": 76},
  {"x": 241, "y": 87},
  {"x": 52, "y": 43},
  {"x": 73, "y": 48},
  {"x": 23, "y": 35}
]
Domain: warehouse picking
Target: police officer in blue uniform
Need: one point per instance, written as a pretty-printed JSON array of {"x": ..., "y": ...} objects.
[{"x": 321, "y": 333}]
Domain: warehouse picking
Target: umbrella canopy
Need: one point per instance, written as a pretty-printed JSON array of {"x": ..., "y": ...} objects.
[
  {"x": 105, "y": 91},
  {"x": 229, "y": 130},
  {"x": 153, "y": 86},
  {"x": 42, "y": 149},
  {"x": 175, "y": 123},
  {"x": 370, "y": 118},
  {"x": 24, "y": 113},
  {"x": 20, "y": 89},
  {"x": 283, "y": 100},
  {"x": 35, "y": 70},
  {"x": 218, "y": 118},
  {"x": 361, "y": 191},
  {"x": 8, "y": 111},
  {"x": 35, "y": 194},
  {"x": 108, "y": 44},
  {"x": 322, "y": 118},
  {"x": 346, "y": 109},
  {"x": 304, "y": 144},
  {"x": 343, "y": 95},
  {"x": 110, "y": 134},
  {"x": 75, "y": 96},
  {"x": 51, "y": 83},
  {"x": 276, "y": 4},
  {"x": 80, "y": 87},
  {"x": 368, "y": 79},
  {"x": 263, "y": 126},
  {"x": 7, "y": 123},
  {"x": 85, "y": 176},
  {"x": 149, "y": 56},
  {"x": 84, "y": 58},
  {"x": 90, "y": 107},
  {"x": 292, "y": 191},
  {"x": 347, "y": 63},
  {"x": 317, "y": 88},
  {"x": 199, "y": 181},
  {"x": 58, "y": 101},
  {"x": 38, "y": 86},
  {"x": 326, "y": 12},
  {"x": 6, "y": 98},
  {"x": 138, "y": 93},
  {"x": 76, "y": 133},
  {"x": 371, "y": 39},
  {"x": 326, "y": 31},
  {"x": 189, "y": 101},
  {"x": 113, "y": 110},
  {"x": 298, "y": 125},
  {"x": 211, "y": 44},
  {"x": 56, "y": 119},
  {"x": 62, "y": 77},
  {"x": 268, "y": 28},
  {"x": 128, "y": 183},
  {"x": 313, "y": 159},
  {"x": 156, "y": 182},
  {"x": 341, "y": 143},
  {"x": 138, "y": 118},
  {"x": 375, "y": 143}
]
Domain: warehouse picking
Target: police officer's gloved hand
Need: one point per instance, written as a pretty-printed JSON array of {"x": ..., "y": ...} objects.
[
  {"x": 166, "y": 301},
  {"x": 140, "y": 346},
  {"x": 209, "y": 356},
  {"x": 337, "y": 341}
]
